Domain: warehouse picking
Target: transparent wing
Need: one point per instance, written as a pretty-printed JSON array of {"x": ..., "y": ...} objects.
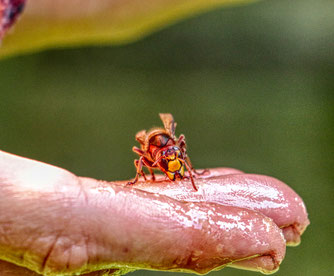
[
  {"x": 141, "y": 136},
  {"x": 169, "y": 123}
]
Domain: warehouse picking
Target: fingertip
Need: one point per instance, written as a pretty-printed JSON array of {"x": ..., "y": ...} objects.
[{"x": 264, "y": 264}]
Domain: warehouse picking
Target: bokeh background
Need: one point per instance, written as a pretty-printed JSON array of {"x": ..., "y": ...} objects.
[{"x": 251, "y": 87}]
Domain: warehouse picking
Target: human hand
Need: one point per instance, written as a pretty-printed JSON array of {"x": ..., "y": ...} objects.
[{"x": 53, "y": 222}]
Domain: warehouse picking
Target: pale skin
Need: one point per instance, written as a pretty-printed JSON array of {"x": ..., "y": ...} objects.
[{"x": 53, "y": 222}]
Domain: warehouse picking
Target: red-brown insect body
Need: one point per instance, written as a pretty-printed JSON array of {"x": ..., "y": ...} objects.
[
  {"x": 158, "y": 140},
  {"x": 170, "y": 160},
  {"x": 165, "y": 153},
  {"x": 161, "y": 150}
]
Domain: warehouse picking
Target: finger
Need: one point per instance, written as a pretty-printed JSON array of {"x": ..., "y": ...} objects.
[
  {"x": 156, "y": 232},
  {"x": 261, "y": 193},
  {"x": 80, "y": 225},
  {"x": 116, "y": 227},
  {"x": 257, "y": 264}
]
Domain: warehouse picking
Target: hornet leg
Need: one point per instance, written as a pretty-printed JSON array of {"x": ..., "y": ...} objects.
[
  {"x": 152, "y": 174},
  {"x": 190, "y": 173},
  {"x": 193, "y": 170},
  {"x": 145, "y": 163},
  {"x": 139, "y": 167}
]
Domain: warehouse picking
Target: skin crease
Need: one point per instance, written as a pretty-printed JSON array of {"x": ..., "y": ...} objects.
[{"x": 56, "y": 222}]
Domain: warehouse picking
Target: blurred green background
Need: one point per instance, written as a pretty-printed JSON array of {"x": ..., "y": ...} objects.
[{"x": 251, "y": 87}]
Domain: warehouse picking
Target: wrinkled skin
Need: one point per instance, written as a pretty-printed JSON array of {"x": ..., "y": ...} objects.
[{"x": 52, "y": 221}]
